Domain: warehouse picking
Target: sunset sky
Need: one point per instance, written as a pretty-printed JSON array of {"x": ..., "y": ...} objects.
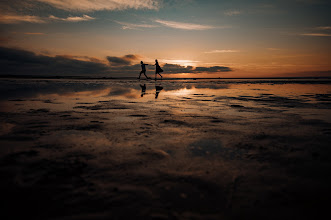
[{"x": 190, "y": 38}]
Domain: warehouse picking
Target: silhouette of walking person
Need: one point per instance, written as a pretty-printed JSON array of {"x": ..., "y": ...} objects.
[
  {"x": 143, "y": 69},
  {"x": 158, "y": 69}
]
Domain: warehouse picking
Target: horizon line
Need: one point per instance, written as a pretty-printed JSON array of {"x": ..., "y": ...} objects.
[{"x": 164, "y": 78}]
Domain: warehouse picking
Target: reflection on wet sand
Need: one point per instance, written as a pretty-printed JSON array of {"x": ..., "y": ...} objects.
[
  {"x": 143, "y": 89},
  {"x": 158, "y": 88},
  {"x": 100, "y": 149}
]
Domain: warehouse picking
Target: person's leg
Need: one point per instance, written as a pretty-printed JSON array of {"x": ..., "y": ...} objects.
[
  {"x": 145, "y": 75},
  {"x": 140, "y": 74}
]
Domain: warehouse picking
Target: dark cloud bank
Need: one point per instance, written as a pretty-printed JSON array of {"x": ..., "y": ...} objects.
[{"x": 22, "y": 62}]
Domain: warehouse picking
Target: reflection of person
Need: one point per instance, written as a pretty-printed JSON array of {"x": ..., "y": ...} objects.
[
  {"x": 158, "y": 69},
  {"x": 143, "y": 69},
  {"x": 143, "y": 90},
  {"x": 158, "y": 89}
]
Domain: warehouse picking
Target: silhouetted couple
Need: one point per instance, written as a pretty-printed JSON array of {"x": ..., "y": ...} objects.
[{"x": 158, "y": 69}]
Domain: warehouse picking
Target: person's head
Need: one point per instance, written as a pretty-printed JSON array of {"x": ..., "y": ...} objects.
[
  {"x": 155, "y": 60},
  {"x": 141, "y": 62}
]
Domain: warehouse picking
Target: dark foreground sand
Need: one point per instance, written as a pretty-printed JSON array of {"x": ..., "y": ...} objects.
[{"x": 201, "y": 150}]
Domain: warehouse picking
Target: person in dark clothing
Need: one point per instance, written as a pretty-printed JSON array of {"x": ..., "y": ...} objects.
[
  {"x": 143, "y": 70},
  {"x": 158, "y": 69}
]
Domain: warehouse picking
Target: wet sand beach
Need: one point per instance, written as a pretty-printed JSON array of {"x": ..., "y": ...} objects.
[{"x": 171, "y": 149}]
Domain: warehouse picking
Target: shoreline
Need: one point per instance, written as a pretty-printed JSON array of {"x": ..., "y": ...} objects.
[{"x": 134, "y": 78}]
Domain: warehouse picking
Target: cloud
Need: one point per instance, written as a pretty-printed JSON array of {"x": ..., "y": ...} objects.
[
  {"x": 183, "y": 26},
  {"x": 223, "y": 51},
  {"x": 117, "y": 61},
  {"x": 321, "y": 31},
  {"x": 324, "y": 28},
  {"x": 131, "y": 57},
  {"x": 30, "y": 33},
  {"x": 82, "y": 58},
  {"x": 72, "y": 19},
  {"x": 122, "y": 61},
  {"x": 316, "y": 35},
  {"x": 14, "y": 19},
  {"x": 232, "y": 12},
  {"x": 4, "y": 39},
  {"x": 171, "y": 24},
  {"x": 134, "y": 26},
  {"x": 175, "y": 68},
  {"x": 213, "y": 69},
  {"x": 98, "y": 5},
  {"x": 22, "y": 62}
]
